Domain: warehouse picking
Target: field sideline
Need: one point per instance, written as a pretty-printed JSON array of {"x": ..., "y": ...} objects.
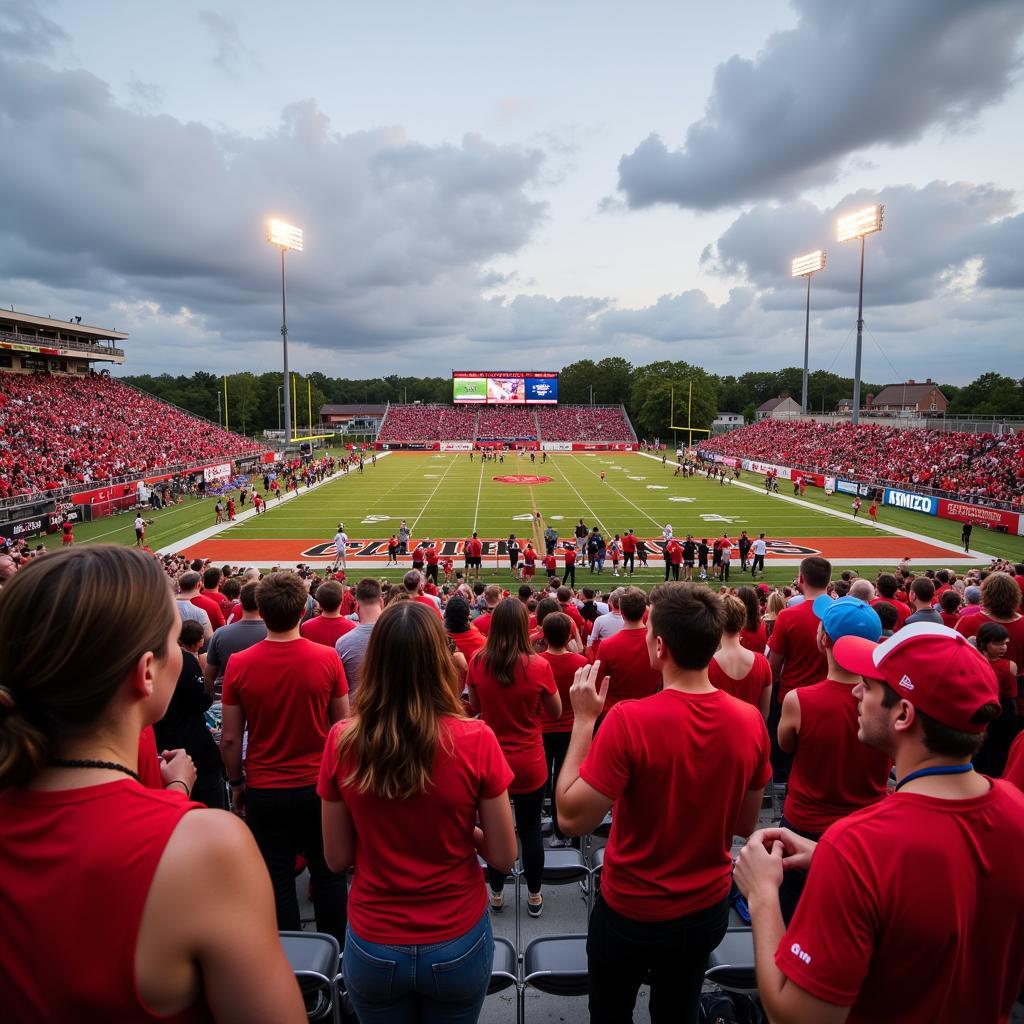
[{"x": 444, "y": 496}]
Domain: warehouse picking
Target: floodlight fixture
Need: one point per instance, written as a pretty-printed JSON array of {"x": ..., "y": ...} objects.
[
  {"x": 285, "y": 236},
  {"x": 859, "y": 225},
  {"x": 807, "y": 266},
  {"x": 803, "y": 266}
]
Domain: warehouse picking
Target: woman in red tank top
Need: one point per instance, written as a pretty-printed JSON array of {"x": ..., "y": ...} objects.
[
  {"x": 121, "y": 903},
  {"x": 734, "y": 668}
]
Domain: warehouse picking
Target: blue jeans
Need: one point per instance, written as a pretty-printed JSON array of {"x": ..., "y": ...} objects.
[{"x": 441, "y": 981}]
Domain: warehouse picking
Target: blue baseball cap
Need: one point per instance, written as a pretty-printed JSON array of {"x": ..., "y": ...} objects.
[{"x": 849, "y": 616}]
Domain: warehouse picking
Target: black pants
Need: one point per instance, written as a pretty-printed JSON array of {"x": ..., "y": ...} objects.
[
  {"x": 793, "y": 882},
  {"x": 286, "y": 824},
  {"x": 209, "y": 790},
  {"x": 725, "y": 570},
  {"x": 781, "y": 761},
  {"x": 528, "y": 808},
  {"x": 758, "y": 563},
  {"x": 556, "y": 746},
  {"x": 432, "y": 572},
  {"x": 570, "y": 575},
  {"x": 668, "y": 570},
  {"x": 627, "y": 561},
  {"x": 621, "y": 952}
]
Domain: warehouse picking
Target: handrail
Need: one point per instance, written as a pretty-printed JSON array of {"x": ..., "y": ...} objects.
[{"x": 75, "y": 346}]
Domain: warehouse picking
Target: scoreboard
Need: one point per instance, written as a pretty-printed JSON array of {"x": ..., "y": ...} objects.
[{"x": 504, "y": 387}]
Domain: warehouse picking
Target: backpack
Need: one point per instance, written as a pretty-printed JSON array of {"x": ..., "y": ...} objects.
[{"x": 727, "y": 1008}]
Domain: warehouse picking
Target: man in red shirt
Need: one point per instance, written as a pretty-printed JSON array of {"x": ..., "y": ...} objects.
[
  {"x": 663, "y": 905},
  {"x": 628, "y": 552},
  {"x": 627, "y": 663},
  {"x": 287, "y": 691},
  {"x": 793, "y": 649},
  {"x": 914, "y": 906},
  {"x": 415, "y": 585},
  {"x": 474, "y": 556},
  {"x": 189, "y": 590},
  {"x": 570, "y": 566},
  {"x": 431, "y": 556},
  {"x": 492, "y": 595},
  {"x": 212, "y": 580},
  {"x": 529, "y": 562},
  {"x": 887, "y": 586},
  {"x": 551, "y": 564},
  {"x": 833, "y": 773},
  {"x": 673, "y": 558},
  {"x": 330, "y": 625}
]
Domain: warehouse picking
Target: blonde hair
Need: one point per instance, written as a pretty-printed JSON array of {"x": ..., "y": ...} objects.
[
  {"x": 408, "y": 683},
  {"x": 776, "y": 603}
]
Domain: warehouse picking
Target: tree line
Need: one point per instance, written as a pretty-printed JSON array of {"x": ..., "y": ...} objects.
[{"x": 655, "y": 395}]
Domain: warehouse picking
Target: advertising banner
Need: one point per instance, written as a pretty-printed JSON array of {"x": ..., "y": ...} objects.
[
  {"x": 813, "y": 479},
  {"x": 914, "y": 502},
  {"x": 46, "y": 520},
  {"x": 456, "y": 446},
  {"x": 218, "y": 472},
  {"x": 556, "y": 446},
  {"x": 850, "y": 487},
  {"x": 980, "y": 515}
]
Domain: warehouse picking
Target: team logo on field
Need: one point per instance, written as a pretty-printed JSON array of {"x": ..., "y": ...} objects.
[{"x": 522, "y": 479}]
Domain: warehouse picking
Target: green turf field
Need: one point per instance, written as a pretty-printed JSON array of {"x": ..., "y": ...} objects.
[{"x": 445, "y": 496}]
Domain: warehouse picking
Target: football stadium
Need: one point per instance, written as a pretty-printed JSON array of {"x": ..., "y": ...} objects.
[{"x": 487, "y": 650}]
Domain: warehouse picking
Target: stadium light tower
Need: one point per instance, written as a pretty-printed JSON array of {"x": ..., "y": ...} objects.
[
  {"x": 285, "y": 237},
  {"x": 859, "y": 225},
  {"x": 807, "y": 266}
]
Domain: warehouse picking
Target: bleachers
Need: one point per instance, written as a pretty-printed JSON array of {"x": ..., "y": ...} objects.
[
  {"x": 405, "y": 423},
  {"x": 58, "y": 431},
  {"x": 971, "y": 466},
  {"x": 507, "y": 423},
  {"x": 584, "y": 423}
]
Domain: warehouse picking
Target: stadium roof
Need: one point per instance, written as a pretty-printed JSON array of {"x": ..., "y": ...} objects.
[
  {"x": 65, "y": 327},
  {"x": 352, "y": 410}
]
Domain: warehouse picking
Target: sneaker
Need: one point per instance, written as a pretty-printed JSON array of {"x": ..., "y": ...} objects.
[
  {"x": 497, "y": 901},
  {"x": 554, "y": 843},
  {"x": 739, "y": 904},
  {"x": 535, "y": 904}
]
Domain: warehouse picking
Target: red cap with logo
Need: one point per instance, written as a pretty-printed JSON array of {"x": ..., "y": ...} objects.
[{"x": 932, "y": 667}]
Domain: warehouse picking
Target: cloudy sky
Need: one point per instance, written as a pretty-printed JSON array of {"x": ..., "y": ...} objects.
[{"x": 518, "y": 185}]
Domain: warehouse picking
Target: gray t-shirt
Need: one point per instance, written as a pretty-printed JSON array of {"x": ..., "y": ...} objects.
[
  {"x": 925, "y": 615},
  {"x": 604, "y": 627},
  {"x": 188, "y": 611},
  {"x": 228, "y": 640},
  {"x": 351, "y": 649}
]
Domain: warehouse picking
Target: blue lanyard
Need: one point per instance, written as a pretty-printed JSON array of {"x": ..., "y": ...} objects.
[{"x": 945, "y": 769}]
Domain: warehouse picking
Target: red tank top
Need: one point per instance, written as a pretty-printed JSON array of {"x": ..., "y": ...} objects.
[
  {"x": 833, "y": 773},
  {"x": 76, "y": 866},
  {"x": 750, "y": 687}
]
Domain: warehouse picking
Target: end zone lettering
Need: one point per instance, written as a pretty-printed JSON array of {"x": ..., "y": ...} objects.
[{"x": 914, "y": 502}]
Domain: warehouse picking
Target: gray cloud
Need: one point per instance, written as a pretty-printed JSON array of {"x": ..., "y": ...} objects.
[
  {"x": 26, "y": 30},
  {"x": 231, "y": 53},
  {"x": 848, "y": 76}
]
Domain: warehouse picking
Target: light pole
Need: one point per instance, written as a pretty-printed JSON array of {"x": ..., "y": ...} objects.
[
  {"x": 285, "y": 237},
  {"x": 591, "y": 394},
  {"x": 807, "y": 266},
  {"x": 279, "y": 390},
  {"x": 859, "y": 225}
]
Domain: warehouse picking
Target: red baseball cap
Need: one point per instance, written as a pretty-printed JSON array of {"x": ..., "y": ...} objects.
[{"x": 931, "y": 666}]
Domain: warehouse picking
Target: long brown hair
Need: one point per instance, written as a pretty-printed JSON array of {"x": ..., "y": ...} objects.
[
  {"x": 508, "y": 639},
  {"x": 408, "y": 683},
  {"x": 72, "y": 625}
]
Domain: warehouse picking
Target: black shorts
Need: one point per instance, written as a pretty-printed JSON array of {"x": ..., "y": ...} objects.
[
  {"x": 513, "y": 560},
  {"x": 688, "y": 562},
  {"x": 473, "y": 563},
  {"x": 418, "y": 566}
]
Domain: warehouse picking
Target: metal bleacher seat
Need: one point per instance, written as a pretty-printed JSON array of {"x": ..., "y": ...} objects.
[
  {"x": 731, "y": 965},
  {"x": 557, "y": 965},
  {"x": 314, "y": 959}
]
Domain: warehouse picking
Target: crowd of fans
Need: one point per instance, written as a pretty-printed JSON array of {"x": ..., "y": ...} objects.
[
  {"x": 59, "y": 431},
  {"x": 391, "y": 727},
  {"x": 584, "y": 423},
  {"x": 405, "y": 423},
  {"x": 979, "y": 467}
]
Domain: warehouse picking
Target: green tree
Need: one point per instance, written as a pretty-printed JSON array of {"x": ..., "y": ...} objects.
[{"x": 575, "y": 380}]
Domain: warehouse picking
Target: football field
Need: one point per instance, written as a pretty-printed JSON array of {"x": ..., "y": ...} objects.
[{"x": 444, "y": 497}]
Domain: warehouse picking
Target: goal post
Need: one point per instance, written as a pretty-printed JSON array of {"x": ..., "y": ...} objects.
[{"x": 689, "y": 427}]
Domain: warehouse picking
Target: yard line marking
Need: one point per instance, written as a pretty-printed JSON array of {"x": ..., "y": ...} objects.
[
  {"x": 476, "y": 511},
  {"x": 621, "y": 495},
  {"x": 597, "y": 518},
  {"x": 412, "y": 529}
]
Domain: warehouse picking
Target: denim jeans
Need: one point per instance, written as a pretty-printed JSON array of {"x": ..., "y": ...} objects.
[
  {"x": 622, "y": 952},
  {"x": 285, "y": 824},
  {"x": 428, "y": 984}
]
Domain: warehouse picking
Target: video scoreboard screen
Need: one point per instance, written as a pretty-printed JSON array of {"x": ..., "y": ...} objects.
[{"x": 504, "y": 387}]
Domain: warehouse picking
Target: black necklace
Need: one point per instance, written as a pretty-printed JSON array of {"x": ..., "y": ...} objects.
[{"x": 110, "y": 765}]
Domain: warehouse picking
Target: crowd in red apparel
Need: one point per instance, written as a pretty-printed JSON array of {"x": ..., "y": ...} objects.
[
  {"x": 58, "y": 431},
  {"x": 982, "y": 467},
  {"x": 507, "y": 421},
  {"x": 584, "y": 423},
  {"x": 427, "y": 423}
]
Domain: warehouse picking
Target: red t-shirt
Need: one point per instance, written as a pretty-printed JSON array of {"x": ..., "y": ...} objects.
[
  {"x": 1014, "y": 771},
  {"x": 327, "y": 631},
  {"x": 570, "y": 556},
  {"x": 747, "y": 689},
  {"x": 513, "y": 712},
  {"x": 417, "y": 879},
  {"x": 529, "y": 557},
  {"x": 902, "y": 610},
  {"x": 574, "y": 613},
  {"x": 950, "y": 619},
  {"x": 755, "y": 640},
  {"x": 469, "y": 642},
  {"x": 628, "y": 544},
  {"x": 914, "y": 911},
  {"x": 483, "y": 622},
  {"x": 423, "y": 599},
  {"x": 833, "y": 773},
  {"x": 149, "y": 761},
  {"x": 563, "y": 667},
  {"x": 211, "y": 607},
  {"x": 474, "y": 548},
  {"x": 1006, "y": 677},
  {"x": 431, "y": 556},
  {"x": 970, "y": 624},
  {"x": 284, "y": 689},
  {"x": 550, "y": 563},
  {"x": 624, "y": 658},
  {"x": 671, "y": 751},
  {"x": 674, "y": 550},
  {"x": 795, "y": 638}
]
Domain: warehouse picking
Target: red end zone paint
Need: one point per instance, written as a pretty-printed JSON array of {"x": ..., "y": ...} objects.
[
  {"x": 522, "y": 479},
  {"x": 316, "y": 548}
]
